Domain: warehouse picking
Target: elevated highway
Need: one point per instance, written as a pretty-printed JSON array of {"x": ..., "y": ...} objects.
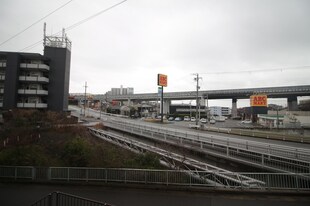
[
  {"x": 289, "y": 92},
  {"x": 271, "y": 92}
]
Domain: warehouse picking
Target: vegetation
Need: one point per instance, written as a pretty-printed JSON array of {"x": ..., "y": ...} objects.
[{"x": 25, "y": 140}]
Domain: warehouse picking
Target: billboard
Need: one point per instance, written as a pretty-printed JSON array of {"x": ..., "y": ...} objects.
[
  {"x": 162, "y": 80},
  {"x": 259, "y": 100}
]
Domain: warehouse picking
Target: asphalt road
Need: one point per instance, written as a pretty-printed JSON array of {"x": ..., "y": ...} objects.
[
  {"x": 184, "y": 126},
  {"x": 26, "y": 194}
]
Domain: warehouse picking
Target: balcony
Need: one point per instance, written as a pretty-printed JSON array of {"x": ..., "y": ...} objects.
[
  {"x": 33, "y": 79},
  {"x": 2, "y": 77},
  {"x": 35, "y": 66},
  {"x": 32, "y": 105},
  {"x": 33, "y": 91},
  {"x": 1, "y": 91},
  {"x": 2, "y": 64},
  {"x": 1, "y": 104}
]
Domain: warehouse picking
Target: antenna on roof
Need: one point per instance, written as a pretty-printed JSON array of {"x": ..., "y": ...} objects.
[{"x": 44, "y": 34}]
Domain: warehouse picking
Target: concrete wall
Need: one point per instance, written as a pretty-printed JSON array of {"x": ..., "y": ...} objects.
[{"x": 11, "y": 82}]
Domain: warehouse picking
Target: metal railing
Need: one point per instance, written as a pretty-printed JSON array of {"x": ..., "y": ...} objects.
[
  {"x": 270, "y": 156},
  {"x": 63, "y": 199},
  {"x": 224, "y": 177},
  {"x": 277, "y": 181}
]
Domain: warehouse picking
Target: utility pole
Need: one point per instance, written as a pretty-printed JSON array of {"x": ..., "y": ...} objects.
[
  {"x": 100, "y": 108},
  {"x": 85, "y": 98},
  {"x": 197, "y": 98}
]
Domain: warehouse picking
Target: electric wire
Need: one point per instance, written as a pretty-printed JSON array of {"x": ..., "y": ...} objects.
[
  {"x": 259, "y": 70},
  {"x": 22, "y": 31},
  {"x": 77, "y": 23}
]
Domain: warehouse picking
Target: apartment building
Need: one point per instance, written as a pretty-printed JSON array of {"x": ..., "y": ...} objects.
[
  {"x": 220, "y": 111},
  {"x": 32, "y": 80}
]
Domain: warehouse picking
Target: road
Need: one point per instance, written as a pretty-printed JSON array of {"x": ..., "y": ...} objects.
[
  {"x": 14, "y": 194},
  {"x": 184, "y": 126}
]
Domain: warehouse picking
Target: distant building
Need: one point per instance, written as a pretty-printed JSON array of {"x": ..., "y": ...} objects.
[
  {"x": 121, "y": 91},
  {"x": 32, "y": 80},
  {"x": 220, "y": 111}
]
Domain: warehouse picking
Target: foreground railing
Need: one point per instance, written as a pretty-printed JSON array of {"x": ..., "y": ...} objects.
[
  {"x": 63, "y": 199},
  {"x": 278, "y": 181}
]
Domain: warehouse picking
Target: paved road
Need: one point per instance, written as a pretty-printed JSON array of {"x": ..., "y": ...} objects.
[
  {"x": 25, "y": 194},
  {"x": 184, "y": 126}
]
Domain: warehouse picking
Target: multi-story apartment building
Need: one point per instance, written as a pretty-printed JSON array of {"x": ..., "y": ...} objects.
[
  {"x": 121, "y": 91},
  {"x": 220, "y": 111},
  {"x": 32, "y": 80}
]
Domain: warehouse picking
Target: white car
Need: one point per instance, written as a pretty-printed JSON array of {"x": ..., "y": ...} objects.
[
  {"x": 186, "y": 118},
  {"x": 246, "y": 122},
  {"x": 193, "y": 119},
  {"x": 212, "y": 121},
  {"x": 203, "y": 120}
]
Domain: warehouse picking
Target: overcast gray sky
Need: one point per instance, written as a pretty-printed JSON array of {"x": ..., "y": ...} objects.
[{"x": 133, "y": 42}]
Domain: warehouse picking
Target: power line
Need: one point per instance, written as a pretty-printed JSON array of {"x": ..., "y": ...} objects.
[
  {"x": 35, "y": 22},
  {"x": 259, "y": 70},
  {"x": 93, "y": 16},
  {"x": 77, "y": 23}
]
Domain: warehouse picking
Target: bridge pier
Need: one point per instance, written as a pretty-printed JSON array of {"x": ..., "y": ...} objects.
[
  {"x": 166, "y": 108},
  {"x": 234, "y": 112},
  {"x": 292, "y": 103}
]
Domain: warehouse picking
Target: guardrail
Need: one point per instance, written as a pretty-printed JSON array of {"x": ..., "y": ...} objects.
[
  {"x": 63, "y": 199},
  {"x": 223, "y": 177},
  {"x": 258, "y": 134},
  {"x": 278, "y": 181},
  {"x": 270, "y": 156}
]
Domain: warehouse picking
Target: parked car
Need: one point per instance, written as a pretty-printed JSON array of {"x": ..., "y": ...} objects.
[
  {"x": 193, "y": 119},
  {"x": 203, "y": 120},
  {"x": 170, "y": 118},
  {"x": 178, "y": 119},
  {"x": 246, "y": 122},
  {"x": 186, "y": 118},
  {"x": 212, "y": 121}
]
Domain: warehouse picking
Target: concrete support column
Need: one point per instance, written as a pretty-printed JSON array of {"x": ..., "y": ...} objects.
[
  {"x": 292, "y": 103},
  {"x": 234, "y": 112},
  {"x": 166, "y": 108},
  {"x": 129, "y": 102}
]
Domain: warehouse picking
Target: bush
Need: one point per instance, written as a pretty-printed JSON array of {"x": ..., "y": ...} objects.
[{"x": 76, "y": 153}]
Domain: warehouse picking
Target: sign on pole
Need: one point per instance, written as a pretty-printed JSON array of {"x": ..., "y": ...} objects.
[
  {"x": 258, "y": 100},
  {"x": 162, "y": 80}
]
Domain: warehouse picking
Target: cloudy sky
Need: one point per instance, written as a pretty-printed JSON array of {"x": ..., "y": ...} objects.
[{"x": 230, "y": 43}]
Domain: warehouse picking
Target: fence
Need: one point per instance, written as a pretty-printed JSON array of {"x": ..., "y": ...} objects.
[
  {"x": 278, "y": 181},
  {"x": 63, "y": 199},
  {"x": 270, "y": 156}
]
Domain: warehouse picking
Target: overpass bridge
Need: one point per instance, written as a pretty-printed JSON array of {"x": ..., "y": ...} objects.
[
  {"x": 289, "y": 92},
  {"x": 271, "y": 92}
]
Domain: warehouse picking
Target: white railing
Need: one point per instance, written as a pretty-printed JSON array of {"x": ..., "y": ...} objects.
[
  {"x": 33, "y": 91},
  {"x": 32, "y": 105},
  {"x": 35, "y": 66},
  {"x": 270, "y": 156},
  {"x": 2, "y": 64},
  {"x": 274, "y": 181},
  {"x": 33, "y": 79},
  {"x": 2, "y": 77}
]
